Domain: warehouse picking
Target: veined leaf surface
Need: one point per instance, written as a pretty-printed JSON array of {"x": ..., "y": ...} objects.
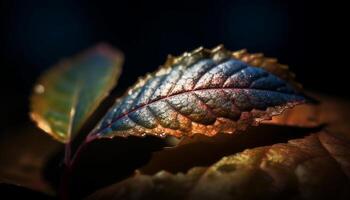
[
  {"x": 314, "y": 167},
  {"x": 205, "y": 92},
  {"x": 66, "y": 95}
]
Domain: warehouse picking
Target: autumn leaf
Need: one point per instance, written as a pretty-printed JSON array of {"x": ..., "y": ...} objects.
[
  {"x": 331, "y": 111},
  {"x": 314, "y": 167},
  {"x": 203, "y": 92},
  {"x": 67, "y": 94}
]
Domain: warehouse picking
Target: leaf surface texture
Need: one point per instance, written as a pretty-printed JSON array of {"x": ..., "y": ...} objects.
[{"x": 205, "y": 92}]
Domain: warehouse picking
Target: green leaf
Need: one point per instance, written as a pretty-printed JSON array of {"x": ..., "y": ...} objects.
[{"x": 67, "y": 94}]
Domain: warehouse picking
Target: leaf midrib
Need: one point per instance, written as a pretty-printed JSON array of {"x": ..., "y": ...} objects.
[{"x": 175, "y": 94}]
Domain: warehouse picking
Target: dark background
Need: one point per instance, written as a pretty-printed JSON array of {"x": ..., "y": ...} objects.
[{"x": 307, "y": 35}]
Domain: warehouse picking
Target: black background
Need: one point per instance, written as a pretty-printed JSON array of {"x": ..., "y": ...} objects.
[{"x": 307, "y": 35}]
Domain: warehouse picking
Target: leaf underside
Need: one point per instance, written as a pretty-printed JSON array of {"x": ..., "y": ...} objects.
[
  {"x": 203, "y": 92},
  {"x": 66, "y": 95},
  {"x": 314, "y": 167}
]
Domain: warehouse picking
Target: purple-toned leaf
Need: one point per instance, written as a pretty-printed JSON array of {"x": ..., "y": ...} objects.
[{"x": 202, "y": 92}]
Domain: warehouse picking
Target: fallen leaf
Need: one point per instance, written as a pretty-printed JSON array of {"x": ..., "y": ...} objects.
[
  {"x": 202, "y": 92},
  {"x": 189, "y": 151},
  {"x": 67, "y": 94},
  {"x": 314, "y": 167}
]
